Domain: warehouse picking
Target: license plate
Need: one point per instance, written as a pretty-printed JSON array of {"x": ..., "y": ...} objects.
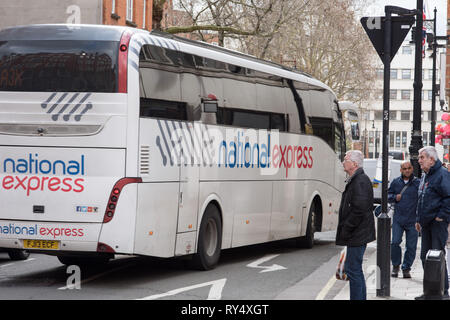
[{"x": 41, "y": 244}]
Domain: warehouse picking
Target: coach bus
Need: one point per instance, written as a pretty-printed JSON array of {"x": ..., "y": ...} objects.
[{"x": 115, "y": 140}]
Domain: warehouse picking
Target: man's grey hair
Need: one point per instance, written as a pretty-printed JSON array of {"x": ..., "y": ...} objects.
[
  {"x": 356, "y": 156},
  {"x": 430, "y": 151}
]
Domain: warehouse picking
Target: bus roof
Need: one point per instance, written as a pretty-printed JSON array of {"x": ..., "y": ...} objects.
[
  {"x": 113, "y": 33},
  {"x": 63, "y": 32}
]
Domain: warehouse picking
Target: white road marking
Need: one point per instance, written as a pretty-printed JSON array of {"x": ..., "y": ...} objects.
[
  {"x": 215, "y": 293},
  {"x": 274, "y": 267},
  {"x": 95, "y": 277},
  {"x": 323, "y": 293}
]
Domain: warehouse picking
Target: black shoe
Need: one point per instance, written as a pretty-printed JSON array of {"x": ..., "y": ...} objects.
[
  {"x": 422, "y": 297},
  {"x": 406, "y": 274},
  {"x": 395, "y": 270}
]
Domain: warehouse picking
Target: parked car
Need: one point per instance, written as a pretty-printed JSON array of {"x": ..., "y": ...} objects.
[
  {"x": 372, "y": 167},
  {"x": 398, "y": 154}
]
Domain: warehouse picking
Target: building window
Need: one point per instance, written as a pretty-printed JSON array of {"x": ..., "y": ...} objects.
[
  {"x": 425, "y": 139},
  {"x": 430, "y": 94},
  {"x": 393, "y": 115},
  {"x": 379, "y": 94},
  {"x": 404, "y": 139},
  {"x": 144, "y": 12},
  {"x": 405, "y": 115},
  {"x": 393, "y": 73},
  {"x": 406, "y": 74},
  {"x": 391, "y": 139},
  {"x": 397, "y": 139},
  {"x": 393, "y": 94},
  {"x": 130, "y": 10},
  {"x": 380, "y": 73},
  {"x": 406, "y": 94}
]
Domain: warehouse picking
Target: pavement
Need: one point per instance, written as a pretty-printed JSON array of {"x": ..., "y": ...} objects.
[
  {"x": 323, "y": 285},
  {"x": 400, "y": 288}
]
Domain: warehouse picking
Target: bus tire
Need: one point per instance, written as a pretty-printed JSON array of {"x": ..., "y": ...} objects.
[
  {"x": 209, "y": 240},
  {"x": 307, "y": 241},
  {"x": 18, "y": 254}
]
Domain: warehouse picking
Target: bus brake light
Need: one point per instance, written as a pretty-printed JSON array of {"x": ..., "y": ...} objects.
[
  {"x": 114, "y": 197},
  {"x": 123, "y": 61}
]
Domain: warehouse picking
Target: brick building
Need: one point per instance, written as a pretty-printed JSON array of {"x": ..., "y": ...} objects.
[
  {"x": 171, "y": 17},
  {"x": 133, "y": 13}
]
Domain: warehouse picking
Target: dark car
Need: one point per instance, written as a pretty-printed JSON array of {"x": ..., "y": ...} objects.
[{"x": 398, "y": 154}]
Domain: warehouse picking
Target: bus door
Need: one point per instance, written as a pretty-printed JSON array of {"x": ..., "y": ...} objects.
[{"x": 190, "y": 137}]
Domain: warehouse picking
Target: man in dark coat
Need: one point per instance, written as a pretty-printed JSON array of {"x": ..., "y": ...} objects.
[
  {"x": 433, "y": 207},
  {"x": 403, "y": 193},
  {"x": 356, "y": 225}
]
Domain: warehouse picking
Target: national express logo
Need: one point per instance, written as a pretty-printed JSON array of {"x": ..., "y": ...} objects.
[
  {"x": 186, "y": 144},
  {"x": 32, "y": 174},
  {"x": 64, "y": 105}
]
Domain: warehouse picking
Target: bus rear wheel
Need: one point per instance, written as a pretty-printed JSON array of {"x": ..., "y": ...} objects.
[{"x": 209, "y": 240}]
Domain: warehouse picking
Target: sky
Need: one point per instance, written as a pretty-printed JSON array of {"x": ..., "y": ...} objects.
[{"x": 377, "y": 9}]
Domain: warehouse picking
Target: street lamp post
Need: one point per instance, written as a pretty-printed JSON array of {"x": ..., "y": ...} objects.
[
  {"x": 416, "y": 136},
  {"x": 435, "y": 46},
  {"x": 433, "y": 89}
]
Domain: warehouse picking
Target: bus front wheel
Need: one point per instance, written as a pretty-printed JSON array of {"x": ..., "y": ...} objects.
[
  {"x": 307, "y": 241},
  {"x": 209, "y": 240}
]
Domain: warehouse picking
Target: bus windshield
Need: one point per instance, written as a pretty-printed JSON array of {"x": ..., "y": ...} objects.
[{"x": 58, "y": 66}]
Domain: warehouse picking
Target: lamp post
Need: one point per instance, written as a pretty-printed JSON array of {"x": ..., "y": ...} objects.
[
  {"x": 434, "y": 46},
  {"x": 416, "y": 136}
]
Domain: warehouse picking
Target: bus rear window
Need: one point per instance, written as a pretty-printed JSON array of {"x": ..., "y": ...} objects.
[{"x": 58, "y": 66}]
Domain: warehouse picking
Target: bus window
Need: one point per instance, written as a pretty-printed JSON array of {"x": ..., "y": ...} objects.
[
  {"x": 278, "y": 122},
  {"x": 339, "y": 141},
  {"x": 323, "y": 128},
  {"x": 163, "y": 109},
  {"x": 252, "y": 119},
  {"x": 58, "y": 66}
]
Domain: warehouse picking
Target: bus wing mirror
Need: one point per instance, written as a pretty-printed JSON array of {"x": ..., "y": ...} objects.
[{"x": 355, "y": 130}]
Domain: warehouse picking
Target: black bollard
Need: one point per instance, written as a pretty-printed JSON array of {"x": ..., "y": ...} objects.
[
  {"x": 434, "y": 275},
  {"x": 384, "y": 255}
]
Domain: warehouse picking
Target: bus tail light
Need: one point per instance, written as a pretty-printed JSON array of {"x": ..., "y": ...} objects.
[
  {"x": 102, "y": 247},
  {"x": 123, "y": 61},
  {"x": 114, "y": 197}
]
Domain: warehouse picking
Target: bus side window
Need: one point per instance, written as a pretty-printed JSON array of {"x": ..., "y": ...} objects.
[
  {"x": 251, "y": 119},
  {"x": 153, "y": 108},
  {"x": 278, "y": 122},
  {"x": 339, "y": 141},
  {"x": 323, "y": 128}
]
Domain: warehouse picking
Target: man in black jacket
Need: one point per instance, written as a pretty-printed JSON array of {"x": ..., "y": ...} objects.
[{"x": 356, "y": 225}]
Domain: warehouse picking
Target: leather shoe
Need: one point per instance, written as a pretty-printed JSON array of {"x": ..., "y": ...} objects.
[
  {"x": 395, "y": 270},
  {"x": 406, "y": 274}
]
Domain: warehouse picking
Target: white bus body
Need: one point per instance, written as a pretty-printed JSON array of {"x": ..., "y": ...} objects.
[{"x": 153, "y": 145}]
